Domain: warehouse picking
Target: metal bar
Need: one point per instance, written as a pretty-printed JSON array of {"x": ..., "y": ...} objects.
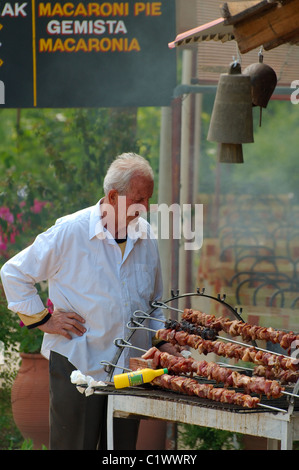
[
  {"x": 254, "y": 347},
  {"x": 232, "y": 366},
  {"x": 158, "y": 304},
  {"x": 273, "y": 408},
  {"x": 290, "y": 394},
  {"x": 107, "y": 363},
  {"x": 184, "y": 89},
  {"x": 200, "y": 293}
]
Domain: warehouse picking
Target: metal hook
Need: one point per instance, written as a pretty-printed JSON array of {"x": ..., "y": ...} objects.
[
  {"x": 260, "y": 55},
  {"x": 138, "y": 327},
  {"x": 240, "y": 311},
  {"x": 126, "y": 344},
  {"x": 221, "y": 298},
  {"x": 109, "y": 364},
  {"x": 143, "y": 316},
  {"x": 202, "y": 290},
  {"x": 146, "y": 317},
  {"x": 159, "y": 304}
]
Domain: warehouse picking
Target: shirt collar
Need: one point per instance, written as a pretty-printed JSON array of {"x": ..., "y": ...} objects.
[{"x": 138, "y": 229}]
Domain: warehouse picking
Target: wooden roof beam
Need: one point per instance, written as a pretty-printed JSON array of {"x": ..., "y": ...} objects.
[{"x": 262, "y": 23}]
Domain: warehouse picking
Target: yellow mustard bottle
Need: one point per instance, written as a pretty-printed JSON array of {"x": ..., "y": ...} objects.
[{"x": 137, "y": 377}]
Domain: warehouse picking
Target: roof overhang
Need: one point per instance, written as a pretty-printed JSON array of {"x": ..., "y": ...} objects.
[
  {"x": 267, "y": 23},
  {"x": 214, "y": 31}
]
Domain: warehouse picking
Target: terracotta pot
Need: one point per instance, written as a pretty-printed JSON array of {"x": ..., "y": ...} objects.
[{"x": 30, "y": 399}]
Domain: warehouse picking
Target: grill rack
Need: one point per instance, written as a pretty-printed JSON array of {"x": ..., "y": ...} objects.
[
  {"x": 109, "y": 367},
  {"x": 287, "y": 404}
]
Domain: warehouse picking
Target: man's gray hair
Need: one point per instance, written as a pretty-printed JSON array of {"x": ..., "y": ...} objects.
[{"x": 122, "y": 169}]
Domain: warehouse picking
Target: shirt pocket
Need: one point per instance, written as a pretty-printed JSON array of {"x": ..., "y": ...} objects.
[{"x": 145, "y": 280}]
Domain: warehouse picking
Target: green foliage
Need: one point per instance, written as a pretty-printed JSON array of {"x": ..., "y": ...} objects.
[
  {"x": 27, "y": 444},
  {"x": 8, "y": 332},
  {"x": 270, "y": 163},
  {"x": 53, "y": 162},
  {"x": 202, "y": 438},
  {"x": 10, "y": 436},
  {"x": 30, "y": 340}
]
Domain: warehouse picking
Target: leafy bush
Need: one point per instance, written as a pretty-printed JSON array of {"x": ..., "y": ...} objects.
[{"x": 203, "y": 438}]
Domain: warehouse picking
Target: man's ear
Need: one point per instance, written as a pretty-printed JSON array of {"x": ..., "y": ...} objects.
[{"x": 112, "y": 197}]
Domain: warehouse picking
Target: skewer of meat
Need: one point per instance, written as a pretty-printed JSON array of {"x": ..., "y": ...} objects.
[
  {"x": 191, "y": 387},
  {"x": 284, "y": 376},
  {"x": 238, "y": 328},
  {"x": 230, "y": 350},
  {"x": 212, "y": 371},
  {"x": 202, "y": 331}
]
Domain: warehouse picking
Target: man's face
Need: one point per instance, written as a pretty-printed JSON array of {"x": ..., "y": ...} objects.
[
  {"x": 138, "y": 196},
  {"x": 128, "y": 207}
]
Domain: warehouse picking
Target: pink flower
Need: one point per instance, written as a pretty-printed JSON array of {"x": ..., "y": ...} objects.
[
  {"x": 3, "y": 244},
  {"x": 38, "y": 206},
  {"x": 5, "y": 214}
]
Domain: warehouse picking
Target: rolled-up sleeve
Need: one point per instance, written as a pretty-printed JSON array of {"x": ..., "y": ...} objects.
[{"x": 34, "y": 264}]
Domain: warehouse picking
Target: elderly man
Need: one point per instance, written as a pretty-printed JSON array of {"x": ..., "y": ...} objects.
[{"x": 101, "y": 264}]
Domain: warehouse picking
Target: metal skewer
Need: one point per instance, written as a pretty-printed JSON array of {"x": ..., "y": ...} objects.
[
  {"x": 290, "y": 394},
  {"x": 165, "y": 306},
  {"x": 272, "y": 408},
  {"x": 233, "y": 366},
  {"x": 226, "y": 339},
  {"x": 218, "y": 337},
  {"x": 121, "y": 343},
  {"x": 254, "y": 347},
  {"x": 109, "y": 364}
]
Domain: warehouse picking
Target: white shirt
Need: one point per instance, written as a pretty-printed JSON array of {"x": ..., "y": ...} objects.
[{"x": 87, "y": 274}]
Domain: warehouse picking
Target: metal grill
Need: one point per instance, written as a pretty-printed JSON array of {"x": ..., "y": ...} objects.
[{"x": 288, "y": 403}]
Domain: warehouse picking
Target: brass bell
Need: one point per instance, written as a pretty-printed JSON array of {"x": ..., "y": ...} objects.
[
  {"x": 263, "y": 83},
  {"x": 231, "y": 122}
]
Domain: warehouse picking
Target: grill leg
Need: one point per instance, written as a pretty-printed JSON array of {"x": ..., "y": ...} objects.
[
  {"x": 110, "y": 423},
  {"x": 272, "y": 444},
  {"x": 287, "y": 436}
]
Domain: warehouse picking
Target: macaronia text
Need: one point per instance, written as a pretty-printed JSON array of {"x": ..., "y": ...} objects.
[{"x": 89, "y": 45}]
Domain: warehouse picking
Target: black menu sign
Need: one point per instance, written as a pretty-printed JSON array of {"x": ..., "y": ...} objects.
[{"x": 86, "y": 54}]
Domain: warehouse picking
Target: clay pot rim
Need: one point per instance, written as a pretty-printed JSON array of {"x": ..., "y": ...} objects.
[{"x": 32, "y": 355}]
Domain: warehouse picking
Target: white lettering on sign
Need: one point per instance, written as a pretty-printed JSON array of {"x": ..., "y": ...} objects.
[
  {"x": 13, "y": 9},
  {"x": 2, "y": 93},
  {"x": 86, "y": 27}
]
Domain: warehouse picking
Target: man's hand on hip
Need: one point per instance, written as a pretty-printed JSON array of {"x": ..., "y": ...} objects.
[{"x": 64, "y": 323}]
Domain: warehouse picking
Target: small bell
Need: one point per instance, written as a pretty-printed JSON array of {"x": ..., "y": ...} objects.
[
  {"x": 263, "y": 82},
  {"x": 231, "y": 122}
]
